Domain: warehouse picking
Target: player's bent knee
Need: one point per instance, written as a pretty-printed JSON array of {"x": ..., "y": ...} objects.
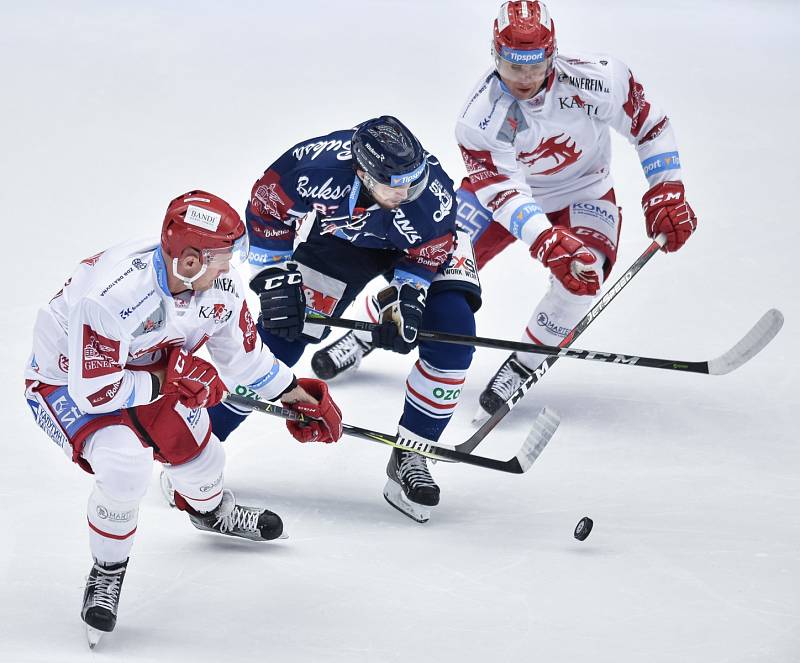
[
  {"x": 448, "y": 311},
  {"x": 121, "y": 465},
  {"x": 199, "y": 480}
]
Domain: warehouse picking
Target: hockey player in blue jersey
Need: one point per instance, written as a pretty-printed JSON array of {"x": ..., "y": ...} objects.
[{"x": 377, "y": 204}]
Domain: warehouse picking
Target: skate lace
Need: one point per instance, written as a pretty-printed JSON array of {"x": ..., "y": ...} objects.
[
  {"x": 506, "y": 382},
  {"x": 414, "y": 470},
  {"x": 106, "y": 589},
  {"x": 346, "y": 350},
  {"x": 239, "y": 519}
]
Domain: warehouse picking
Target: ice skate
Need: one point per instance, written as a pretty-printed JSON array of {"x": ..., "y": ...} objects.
[
  {"x": 244, "y": 522},
  {"x": 167, "y": 489},
  {"x": 505, "y": 382},
  {"x": 101, "y": 599},
  {"x": 410, "y": 487},
  {"x": 340, "y": 356}
]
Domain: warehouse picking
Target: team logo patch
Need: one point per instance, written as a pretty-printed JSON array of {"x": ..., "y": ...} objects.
[
  {"x": 433, "y": 253},
  {"x": 248, "y": 328},
  {"x": 268, "y": 201},
  {"x": 562, "y": 153},
  {"x": 636, "y": 107}
]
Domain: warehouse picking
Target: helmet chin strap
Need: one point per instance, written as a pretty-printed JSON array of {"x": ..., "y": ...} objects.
[{"x": 188, "y": 281}]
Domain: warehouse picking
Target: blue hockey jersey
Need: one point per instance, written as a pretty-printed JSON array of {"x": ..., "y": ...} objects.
[{"x": 318, "y": 175}]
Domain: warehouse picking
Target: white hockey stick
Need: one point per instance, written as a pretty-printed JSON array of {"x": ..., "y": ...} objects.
[{"x": 750, "y": 345}]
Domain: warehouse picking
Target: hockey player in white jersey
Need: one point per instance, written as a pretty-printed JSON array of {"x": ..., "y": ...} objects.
[
  {"x": 534, "y": 135},
  {"x": 114, "y": 381}
]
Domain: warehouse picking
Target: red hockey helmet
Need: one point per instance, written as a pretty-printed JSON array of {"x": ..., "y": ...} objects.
[
  {"x": 524, "y": 33},
  {"x": 202, "y": 221}
]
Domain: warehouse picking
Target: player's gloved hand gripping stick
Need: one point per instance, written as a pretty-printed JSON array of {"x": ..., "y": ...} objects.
[
  {"x": 400, "y": 309},
  {"x": 193, "y": 380}
]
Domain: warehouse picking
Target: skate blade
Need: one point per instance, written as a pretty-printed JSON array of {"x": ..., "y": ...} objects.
[
  {"x": 480, "y": 416},
  {"x": 93, "y": 636},
  {"x": 394, "y": 495}
]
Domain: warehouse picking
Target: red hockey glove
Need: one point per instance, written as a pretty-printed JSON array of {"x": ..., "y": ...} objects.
[
  {"x": 567, "y": 257},
  {"x": 326, "y": 417},
  {"x": 666, "y": 211},
  {"x": 193, "y": 380}
]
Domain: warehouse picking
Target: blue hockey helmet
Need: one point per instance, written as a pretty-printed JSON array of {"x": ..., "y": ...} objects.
[{"x": 391, "y": 155}]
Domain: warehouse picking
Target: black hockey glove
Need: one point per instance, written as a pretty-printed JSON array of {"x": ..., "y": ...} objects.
[
  {"x": 400, "y": 312},
  {"x": 283, "y": 304}
]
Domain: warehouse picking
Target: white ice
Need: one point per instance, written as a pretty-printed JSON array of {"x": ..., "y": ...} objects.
[{"x": 108, "y": 110}]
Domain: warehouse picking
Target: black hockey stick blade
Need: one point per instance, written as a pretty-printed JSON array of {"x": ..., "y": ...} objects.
[
  {"x": 543, "y": 429},
  {"x": 750, "y": 345}
]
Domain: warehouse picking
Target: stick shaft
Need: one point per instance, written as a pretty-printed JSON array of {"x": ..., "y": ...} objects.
[
  {"x": 430, "y": 450},
  {"x": 487, "y": 426}
]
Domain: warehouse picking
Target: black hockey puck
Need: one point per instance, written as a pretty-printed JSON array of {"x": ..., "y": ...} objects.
[{"x": 583, "y": 528}]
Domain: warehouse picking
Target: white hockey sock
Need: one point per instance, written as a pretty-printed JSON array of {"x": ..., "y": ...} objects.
[
  {"x": 433, "y": 394},
  {"x": 199, "y": 481},
  {"x": 554, "y": 317},
  {"x": 122, "y": 470},
  {"x": 112, "y": 526}
]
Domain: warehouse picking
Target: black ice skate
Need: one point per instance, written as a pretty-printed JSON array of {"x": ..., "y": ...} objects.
[
  {"x": 505, "y": 382},
  {"x": 101, "y": 599},
  {"x": 410, "y": 487},
  {"x": 245, "y": 522},
  {"x": 340, "y": 356}
]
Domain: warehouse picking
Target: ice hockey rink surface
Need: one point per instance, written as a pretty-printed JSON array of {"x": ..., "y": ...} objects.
[{"x": 693, "y": 482}]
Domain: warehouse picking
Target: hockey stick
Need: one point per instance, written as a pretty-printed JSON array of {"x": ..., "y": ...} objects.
[
  {"x": 544, "y": 426},
  {"x": 753, "y": 342},
  {"x": 478, "y": 436}
]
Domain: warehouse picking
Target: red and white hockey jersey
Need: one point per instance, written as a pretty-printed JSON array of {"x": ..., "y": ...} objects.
[
  {"x": 115, "y": 317},
  {"x": 525, "y": 158}
]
